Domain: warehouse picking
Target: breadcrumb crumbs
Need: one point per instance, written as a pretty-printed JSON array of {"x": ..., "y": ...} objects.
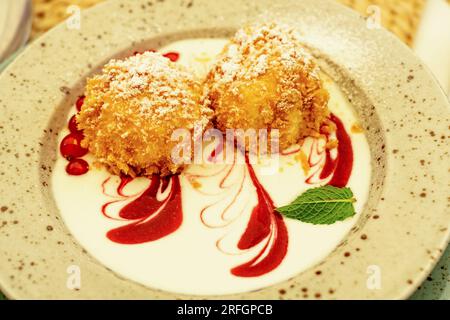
[
  {"x": 131, "y": 110},
  {"x": 265, "y": 78}
]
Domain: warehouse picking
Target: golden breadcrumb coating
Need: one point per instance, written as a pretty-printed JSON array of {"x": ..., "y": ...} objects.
[
  {"x": 264, "y": 78},
  {"x": 132, "y": 109}
]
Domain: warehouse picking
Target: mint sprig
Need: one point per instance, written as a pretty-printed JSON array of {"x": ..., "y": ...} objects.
[{"x": 322, "y": 205}]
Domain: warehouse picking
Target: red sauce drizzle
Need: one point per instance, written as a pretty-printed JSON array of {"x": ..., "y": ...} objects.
[
  {"x": 339, "y": 167},
  {"x": 73, "y": 127},
  {"x": 173, "y": 56},
  {"x": 70, "y": 147},
  {"x": 80, "y": 102},
  {"x": 344, "y": 159},
  {"x": 77, "y": 167},
  {"x": 124, "y": 180},
  {"x": 153, "y": 219},
  {"x": 329, "y": 166},
  {"x": 141, "y": 52},
  {"x": 265, "y": 223}
]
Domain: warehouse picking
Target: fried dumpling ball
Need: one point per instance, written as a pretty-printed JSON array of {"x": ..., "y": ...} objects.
[
  {"x": 264, "y": 79},
  {"x": 131, "y": 110}
]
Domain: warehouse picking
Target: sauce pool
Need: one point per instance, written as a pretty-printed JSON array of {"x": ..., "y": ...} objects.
[
  {"x": 265, "y": 223},
  {"x": 151, "y": 219}
]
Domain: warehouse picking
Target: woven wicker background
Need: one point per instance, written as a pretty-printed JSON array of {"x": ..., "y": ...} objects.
[{"x": 399, "y": 16}]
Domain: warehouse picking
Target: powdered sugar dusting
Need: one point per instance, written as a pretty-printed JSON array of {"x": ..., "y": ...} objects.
[
  {"x": 156, "y": 84},
  {"x": 265, "y": 47},
  {"x": 146, "y": 71}
]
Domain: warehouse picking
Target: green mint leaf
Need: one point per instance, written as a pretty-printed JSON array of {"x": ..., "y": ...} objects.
[{"x": 323, "y": 205}]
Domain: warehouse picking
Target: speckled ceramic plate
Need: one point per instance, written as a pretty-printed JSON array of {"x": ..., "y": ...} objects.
[{"x": 403, "y": 228}]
